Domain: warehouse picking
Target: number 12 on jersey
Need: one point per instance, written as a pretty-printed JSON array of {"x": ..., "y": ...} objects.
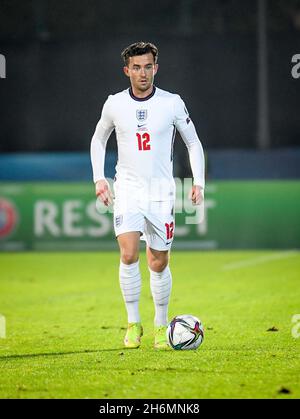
[{"x": 143, "y": 141}]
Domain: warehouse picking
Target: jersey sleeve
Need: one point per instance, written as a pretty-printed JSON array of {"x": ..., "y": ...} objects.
[
  {"x": 186, "y": 128},
  {"x": 102, "y": 133}
]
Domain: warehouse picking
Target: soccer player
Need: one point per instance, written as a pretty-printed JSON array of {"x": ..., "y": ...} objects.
[{"x": 145, "y": 119}]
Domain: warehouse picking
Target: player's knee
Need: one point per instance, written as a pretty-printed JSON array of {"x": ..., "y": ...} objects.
[
  {"x": 158, "y": 265},
  {"x": 129, "y": 257}
]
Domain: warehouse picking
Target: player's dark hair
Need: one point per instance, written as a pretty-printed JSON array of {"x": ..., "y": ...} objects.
[{"x": 139, "y": 48}]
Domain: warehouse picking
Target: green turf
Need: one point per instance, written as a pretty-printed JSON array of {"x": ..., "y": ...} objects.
[{"x": 65, "y": 326}]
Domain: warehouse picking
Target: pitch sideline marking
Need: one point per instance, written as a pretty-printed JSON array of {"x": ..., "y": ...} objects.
[
  {"x": 260, "y": 260},
  {"x": 2, "y": 327}
]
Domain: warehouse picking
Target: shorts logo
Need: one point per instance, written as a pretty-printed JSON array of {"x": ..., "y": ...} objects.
[
  {"x": 119, "y": 220},
  {"x": 141, "y": 114},
  {"x": 8, "y": 218}
]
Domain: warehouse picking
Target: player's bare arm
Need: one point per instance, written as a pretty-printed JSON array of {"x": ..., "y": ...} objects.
[
  {"x": 103, "y": 192},
  {"x": 196, "y": 195}
]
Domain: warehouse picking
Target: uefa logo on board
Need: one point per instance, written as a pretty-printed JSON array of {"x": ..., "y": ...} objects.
[{"x": 8, "y": 218}]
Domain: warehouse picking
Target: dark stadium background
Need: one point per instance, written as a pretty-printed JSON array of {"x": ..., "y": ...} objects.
[{"x": 230, "y": 61}]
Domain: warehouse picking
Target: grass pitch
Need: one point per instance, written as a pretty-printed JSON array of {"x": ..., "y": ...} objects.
[{"x": 65, "y": 323}]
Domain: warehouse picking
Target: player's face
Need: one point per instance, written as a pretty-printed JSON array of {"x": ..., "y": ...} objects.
[{"x": 141, "y": 71}]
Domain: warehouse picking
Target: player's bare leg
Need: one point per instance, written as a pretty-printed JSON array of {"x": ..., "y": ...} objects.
[
  {"x": 161, "y": 284},
  {"x": 130, "y": 283},
  {"x": 157, "y": 260}
]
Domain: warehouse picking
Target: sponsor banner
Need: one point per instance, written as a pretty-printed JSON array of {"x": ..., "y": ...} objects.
[{"x": 237, "y": 214}]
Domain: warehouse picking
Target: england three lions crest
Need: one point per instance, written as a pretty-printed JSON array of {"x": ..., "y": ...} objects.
[{"x": 141, "y": 114}]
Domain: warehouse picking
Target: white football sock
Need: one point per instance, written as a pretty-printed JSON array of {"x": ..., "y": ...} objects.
[
  {"x": 130, "y": 283},
  {"x": 161, "y": 284}
]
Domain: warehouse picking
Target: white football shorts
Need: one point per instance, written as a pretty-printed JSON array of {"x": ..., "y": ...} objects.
[{"x": 155, "y": 220}]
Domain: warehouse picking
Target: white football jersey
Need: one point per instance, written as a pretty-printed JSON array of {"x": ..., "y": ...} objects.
[{"x": 145, "y": 131}]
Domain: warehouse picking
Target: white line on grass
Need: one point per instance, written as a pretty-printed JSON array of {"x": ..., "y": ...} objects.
[{"x": 259, "y": 260}]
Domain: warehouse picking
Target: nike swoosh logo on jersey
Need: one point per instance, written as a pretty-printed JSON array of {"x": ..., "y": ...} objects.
[{"x": 140, "y": 126}]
